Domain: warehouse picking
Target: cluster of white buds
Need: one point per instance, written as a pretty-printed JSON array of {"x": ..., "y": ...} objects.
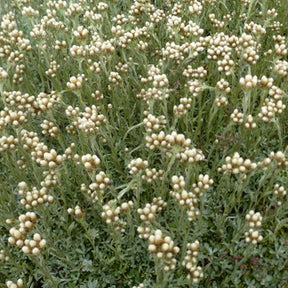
[
  {"x": 19, "y": 284},
  {"x": 237, "y": 164},
  {"x": 267, "y": 110},
  {"x": 219, "y": 46},
  {"x": 254, "y": 221},
  {"x": 137, "y": 165},
  {"x": 49, "y": 20},
  {"x": 248, "y": 82},
  {"x": 96, "y": 189},
  {"x": 74, "y": 8},
  {"x": 76, "y": 82},
  {"x": 198, "y": 73},
  {"x": 152, "y": 175},
  {"x": 46, "y": 158},
  {"x": 250, "y": 55},
  {"x": 19, "y": 234},
  {"x": 281, "y": 67},
  {"x": 89, "y": 120},
  {"x": 102, "y": 6},
  {"x": 189, "y": 155},
  {"x": 193, "y": 211},
  {"x": 38, "y": 32},
  {"x": 95, "y": 195},
  {"x": 249, "y": 124},
  {"x": 44, "y": 102},
  {"x": 190, "y": 262},
  {"x": 227, "y": 18},
  {"x": 153, "y": 93},
  {"x": 276, "y": 93},
  {"x": 77, "y": 211},
  {"x": 90, "y": 162},
  {"x": 142, "y": 46},
  {"x": 272, "y": 12},
  {"x": 280, "y": 192},
  {"x": 8, "y": 21},
  {"x": 3, "y": 256},
  {"x": 221, "y": 101},
  {"x": 276, "y": 26},
  {"x": 29, "y": 11},
  {"x": 183, "y": 107},
  {"x": 253, "y": 236},
  {"x": 173, "y": 22},
  {"x": 97, "y": 95},
  {"x": 164, "y": 249},
  {"x": 245, "y": 41},
  {"x": 94, "y": 66},
  {"x": 29, "y": 138},
  {"x": 173, "y": 52},
  {"x": 225, "y": 65},
  {"x": 49, "y": 128},
  {"x": 203, "y": 184},
  {"x": 119, "y": 19},
  {"x": 151, "y": 73},
  {"x": 89, "y": 14},
  {"x": 19, "y": 72},
  {"x": 19, "y": 100},
  {"x": 111, "y": 214},
  {"x": 35, "y": 197},
  {"x": 115, "y": 78},
  {"x": 34, "y": 246},
  {"x": 148, "y": 213},
  {"x": 183, "y": 197},
  {"x": 280, "y": 46},
  {"x": 223, "y": 86},
  {"x": 81, "y": 33},
  {"x": 153, "y": 123},
  {"x": 8, "y": 143},
  {"x": 126, "y": 206},
  {"x": 79, "y": 51},
  {"x": 122, "y": 67},
  {"x": 50, "y": 179},
  {"x": 117, "y": 30},
  {"x": 215, "y": 22},
  {"x": 144, "y": 232},
  {"x": 69, "y": 151},
  {"x": 280, "y": 158},
  {"x": 166, "y": 142},
  {"x": 195, "y": 87},
  {"x": 237, "y": 117},
  {"x": 53, "y": 68},
  {"x": 22, "y": 163},
  {"x": 15, "y": 56},
  {"x": 14, "y": 118},
  {"x": 195, "y": 7},
  {"x": 178, "y": 183},
  {"x": 101, "y": 182},
  {"x": 160, "y": 81},
  {"x": 190, "y": 29}
]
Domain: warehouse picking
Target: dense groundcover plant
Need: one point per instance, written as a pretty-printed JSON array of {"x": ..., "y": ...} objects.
[{"x": 143, "y": 143}]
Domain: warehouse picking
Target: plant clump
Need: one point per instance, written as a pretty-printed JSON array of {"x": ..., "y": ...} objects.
[{"x": 135, "y": 135}]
